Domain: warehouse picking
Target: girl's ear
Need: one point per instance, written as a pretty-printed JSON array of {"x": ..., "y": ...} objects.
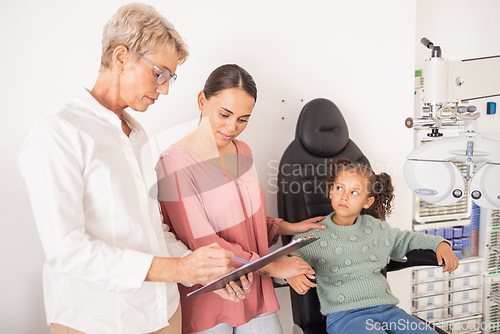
[
  {"x": 331, "y": 191},
  {"x": 369, "y": 202}
]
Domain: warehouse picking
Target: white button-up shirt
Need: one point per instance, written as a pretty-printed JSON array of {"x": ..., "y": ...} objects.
[{"x": 90, "y": 187}]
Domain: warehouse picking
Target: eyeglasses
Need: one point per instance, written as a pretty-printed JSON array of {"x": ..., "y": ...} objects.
[{"x": 164, "y": 76}]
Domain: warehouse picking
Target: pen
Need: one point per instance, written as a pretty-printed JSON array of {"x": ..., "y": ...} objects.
[{"x": 237, "y": 259}]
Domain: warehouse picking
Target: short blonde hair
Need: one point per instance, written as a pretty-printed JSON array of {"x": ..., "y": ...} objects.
[{"x": 141, "y": 29}]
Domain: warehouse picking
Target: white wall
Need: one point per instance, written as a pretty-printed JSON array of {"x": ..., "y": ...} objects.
[{"x": 360, "y": 54}]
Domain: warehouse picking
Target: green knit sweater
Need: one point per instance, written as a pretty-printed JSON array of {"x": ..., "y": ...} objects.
[{"x": 348, "y": 260}]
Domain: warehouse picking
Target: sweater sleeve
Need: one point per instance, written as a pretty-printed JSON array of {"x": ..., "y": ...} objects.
[
  {"x": 405, "y": 241},
  {"x": 303, "y": 251}
]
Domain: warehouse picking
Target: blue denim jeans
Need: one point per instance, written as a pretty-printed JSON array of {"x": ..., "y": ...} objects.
[
  {"x": 376, "y": 320},
  {"x": 266, "y": 323}
]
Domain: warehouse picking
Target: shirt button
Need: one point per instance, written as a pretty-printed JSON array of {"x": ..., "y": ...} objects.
[
  {"x": 341, "y": 298},
  {"x": 376, "y": 271},
  {"x": 364, "y": 249},
  {"x": 368, "y": 230},
  {"x": 337, "y": 283},
  {"x": 334, "y": 236},
  {"x": 338, "y": 250},
  {"x": 387, "y": 242},
  {"x": 373, "y": 257},
  {"x": 323, "y": 244},
  {"x": 375, "y": 242},
  {"x": 321, "y": 261},
  {"x": 348, "y": 262},
  {"x": 382, "y": 225},
  {"x": 345, "y": 276},
  {"x": 334, "y": 269},
  {"x": 353, "y": 237}
]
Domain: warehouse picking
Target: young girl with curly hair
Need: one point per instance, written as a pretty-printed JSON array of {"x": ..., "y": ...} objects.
[{"x": 353, "y": 249}]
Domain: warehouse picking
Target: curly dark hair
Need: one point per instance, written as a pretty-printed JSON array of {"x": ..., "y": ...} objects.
[{"x": 379, "y": 185}]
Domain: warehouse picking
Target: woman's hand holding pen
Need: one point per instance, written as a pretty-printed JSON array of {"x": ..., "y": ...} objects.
[{"x": 204, "y": 265}]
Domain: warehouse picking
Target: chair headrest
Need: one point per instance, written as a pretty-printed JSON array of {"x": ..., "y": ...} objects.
[{"x": 321, "y": 128}]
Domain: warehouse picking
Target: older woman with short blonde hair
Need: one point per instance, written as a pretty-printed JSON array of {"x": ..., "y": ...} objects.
[
  {"x": 111, "y": 266},
  {"x": 142, "y": 29}
]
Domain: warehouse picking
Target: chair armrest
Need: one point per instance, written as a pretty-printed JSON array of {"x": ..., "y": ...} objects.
[{"x": 417, "y": 257}]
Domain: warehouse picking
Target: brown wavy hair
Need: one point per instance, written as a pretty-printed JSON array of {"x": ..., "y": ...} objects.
[{"x": 379, "y": 185}]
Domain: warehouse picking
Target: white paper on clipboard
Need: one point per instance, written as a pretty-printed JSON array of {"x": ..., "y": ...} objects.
[{"x": 255, "y": 265}]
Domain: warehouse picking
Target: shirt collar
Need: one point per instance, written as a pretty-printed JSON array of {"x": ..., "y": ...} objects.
[
  {"x": 132, "y": 123},
  {"x": 102, "y": 112}
]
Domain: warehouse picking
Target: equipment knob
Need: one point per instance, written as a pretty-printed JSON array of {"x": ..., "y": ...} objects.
[
  {"x": 476, "y": 194},
  {"x": 471, "y": 109}
]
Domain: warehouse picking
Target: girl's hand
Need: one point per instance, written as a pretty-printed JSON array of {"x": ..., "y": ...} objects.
[
  {"x": 446, "y": 254},
  {"x": 286, "y": 267},
  {"x": 234, "y": 292},
  {"x": 286, "y": 228},
  {"x": 301, "y": 284}
]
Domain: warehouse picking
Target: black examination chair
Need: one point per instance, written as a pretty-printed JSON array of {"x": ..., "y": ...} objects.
[{"x": 321, "y": 138}]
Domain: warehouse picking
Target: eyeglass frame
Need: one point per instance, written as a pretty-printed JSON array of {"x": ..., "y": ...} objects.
[{"x": 170, "y": 77}]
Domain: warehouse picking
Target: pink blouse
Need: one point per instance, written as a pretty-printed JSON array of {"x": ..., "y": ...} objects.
[{"x": 202, "y": 205}]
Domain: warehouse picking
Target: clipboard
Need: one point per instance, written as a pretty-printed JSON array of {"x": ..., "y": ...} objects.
[{"x": 253, "y": 266}]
